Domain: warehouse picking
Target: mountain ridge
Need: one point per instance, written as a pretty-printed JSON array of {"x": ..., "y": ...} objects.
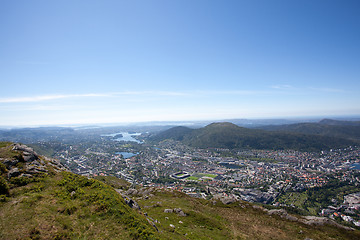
[
  {"x": 229, "y": 135},
  {"x": 325, "y": 127}
]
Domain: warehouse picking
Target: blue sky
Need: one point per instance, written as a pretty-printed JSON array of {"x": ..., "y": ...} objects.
[{"x": 67, "y": 62}]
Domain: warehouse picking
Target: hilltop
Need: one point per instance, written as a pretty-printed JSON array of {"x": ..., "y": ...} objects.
[
  {"x": 228, "y": 135},
  {"x": 40, "y": 199}
]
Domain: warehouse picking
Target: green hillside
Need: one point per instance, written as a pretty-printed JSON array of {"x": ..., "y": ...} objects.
[
  {"x": 57, "y": 204},
  {"x": 326, "y": 127},
  {"x": 175, "y": 133},
  {"x": 228, "y": 135},
  {"x": 39, "y": 199}
]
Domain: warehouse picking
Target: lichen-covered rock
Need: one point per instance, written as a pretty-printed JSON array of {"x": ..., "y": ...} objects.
[
  {"x": 320, "y": 221},
  {"x": 131, "y": 203},
  {"x": 152, "y": 224},
  {"x": 179, "y": 212},
  {"x": 182, "y": 214},
  {"x": 55, "y": 163},
  {"x": 24, "y": 148},
  {"x": 132, "y": 191},
  {"x": 257, "y": 207},
  {"x": 10, "y": 162},
  {"x": 31, "y": 169},
  {"x": 29, "y": 156},
  {"x": 227, "y": 200},
  {"x": 14, "y": 173},
  {"x": 26, "y": 175},
  {"x": 282, "y": 213},
  {"x": 145, "y": 191}
]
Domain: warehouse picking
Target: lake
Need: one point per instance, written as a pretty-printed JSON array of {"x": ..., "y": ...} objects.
[
  {"x": 126, "y": 154},
  {"x": 355, "y": 166},
  {"x": 232, "y": 166},
  {"x": 125, "y": 136}
]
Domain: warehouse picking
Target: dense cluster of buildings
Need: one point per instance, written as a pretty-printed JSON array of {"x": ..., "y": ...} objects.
[{"x": 250, "y": 175}]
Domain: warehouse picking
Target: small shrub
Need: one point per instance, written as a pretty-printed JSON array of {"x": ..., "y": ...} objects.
[
  {"x": 20, "y": 181},
  {"x": 70, "y": 210},
  {"x": 61, "y": 236},
  {"x": 73, "y": 182},
  {"x": 4, "y": 187},
  {"x": 20, "y": 165},
  {"x": 37, "y": 187},
  {"x": 3, "y": 198},
  {"x": 35, "y": 234},
  {"x": 2, "y": 168}
]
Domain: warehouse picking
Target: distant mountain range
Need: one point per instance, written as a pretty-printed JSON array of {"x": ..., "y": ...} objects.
[{"x": 229, "y": 135}]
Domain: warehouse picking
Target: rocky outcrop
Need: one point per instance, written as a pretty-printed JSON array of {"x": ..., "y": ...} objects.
[
  {"x": 260, "y": 208},
  {"x": 28, "y": 163},
  {"x": 10, "y": 162},
  {"x": 29, "y": 157},
  {"x": 28, "y": 153},
  {"x": 179, "y": 212},
  {"x": 320, "y": 221},
  {"x": 152, "y": 224},
  {"x": 129, "y": 201},
  {"x": 133, "y": 204},
  {"x": 225, "y": 199},
  {"x": 283, "y": 214},
  {"x": 32, "y": 169},
  {"x": 14, "y": 172},
  {"x": 308, "y": 220},
  {"x": 132, "y": 191},
  {"x": 55, "y": 163}
]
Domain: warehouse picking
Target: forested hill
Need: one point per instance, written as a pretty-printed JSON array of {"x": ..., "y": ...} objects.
[
  {"x": 175, "y": 133},
  {"x": 325, "y": 127},
  {"x": 228, "y": 135}
]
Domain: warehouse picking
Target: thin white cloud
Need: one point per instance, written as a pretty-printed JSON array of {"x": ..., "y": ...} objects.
[
  {"x": 43, "y": 98},
  {"x": 64, "y": 96},
  {"x": 232, "y": 92},
  {"x": 157, "y": 93},
  {"x": 282, "y": 87},
  {"x": 47, "y": 97}
]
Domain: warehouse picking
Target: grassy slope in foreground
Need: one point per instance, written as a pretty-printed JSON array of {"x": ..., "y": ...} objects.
[
  {"x": 240, "y": 220},
  {"x": 68, "y": 206},
  {"x": 62, "y": 205}
]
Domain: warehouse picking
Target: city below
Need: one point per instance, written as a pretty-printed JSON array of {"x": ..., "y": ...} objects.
[{"x": 281, "y": 178}]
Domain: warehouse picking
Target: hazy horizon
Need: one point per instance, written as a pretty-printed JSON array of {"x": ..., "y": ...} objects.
[
  {"x": 101, "y": 62},
  {"x": 239, "y": 121}
]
